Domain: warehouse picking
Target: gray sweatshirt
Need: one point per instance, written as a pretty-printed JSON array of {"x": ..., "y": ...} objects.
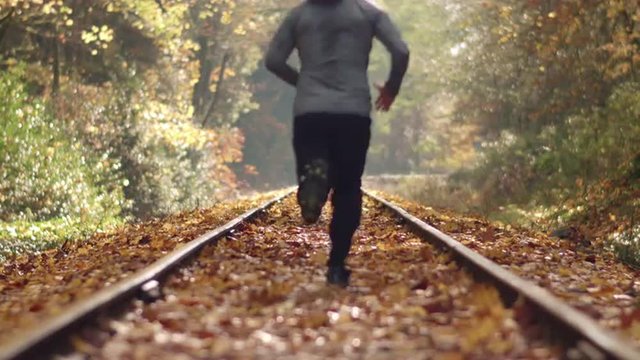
[{"x": 334, "y": 39}]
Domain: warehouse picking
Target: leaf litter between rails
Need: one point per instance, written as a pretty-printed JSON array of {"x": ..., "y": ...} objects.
[
  {"x": 35, "y": 287},
  {"x": 581, "y": 272},
  {"x": 261, "y": 293}
]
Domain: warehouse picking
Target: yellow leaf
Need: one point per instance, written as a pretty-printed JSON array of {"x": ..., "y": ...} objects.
[
  {"x": 398, "y": 292},
  {"x": 563, "y": 271},
  {"x": 226, "y": 18},
  {"x": 319, "y": 258}
]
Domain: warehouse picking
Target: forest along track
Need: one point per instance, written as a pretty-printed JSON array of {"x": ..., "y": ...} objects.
[{"x": 260, "y": 293}]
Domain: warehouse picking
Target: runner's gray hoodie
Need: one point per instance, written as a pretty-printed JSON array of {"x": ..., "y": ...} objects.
[{"x": 334, "y": 39}]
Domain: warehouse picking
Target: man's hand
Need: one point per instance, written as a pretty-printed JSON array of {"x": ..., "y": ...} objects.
[{"x": 385, "y": 99}]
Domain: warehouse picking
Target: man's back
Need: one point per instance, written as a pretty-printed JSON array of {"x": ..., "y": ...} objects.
[{"x": 334, "y": 39}]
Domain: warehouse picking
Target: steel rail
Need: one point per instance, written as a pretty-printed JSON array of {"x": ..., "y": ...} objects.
[
  {"x": 592, "y": 340},
  {"x": 32, "y": 344}
]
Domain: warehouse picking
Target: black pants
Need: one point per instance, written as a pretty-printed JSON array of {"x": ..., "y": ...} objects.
[{"x": 342, "y": 141}]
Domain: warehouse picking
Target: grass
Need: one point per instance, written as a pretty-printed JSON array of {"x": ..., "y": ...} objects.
[
  {"x": 27, "y": 237},
  {"x": 626, "y": 246},
  {"x": 432, "y": 190},
  {"x": 606, "y": 214}
]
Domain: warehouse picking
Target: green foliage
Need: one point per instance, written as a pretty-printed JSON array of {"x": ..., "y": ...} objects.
[
  {"x": 129, "y": 109},
  {"x": 164, "y": 162},
  {"x": 568, "y": 156},
  {"x": 95, "y": 157},
  {"x": 43, "y": 175},
  {"x": 51, "y": 189},
  {"x": 170, "y": 172},
  {"x": 20, "y": 237},
  {"x": 626, "y": 245},
  {"x": 552, "y": 90}
]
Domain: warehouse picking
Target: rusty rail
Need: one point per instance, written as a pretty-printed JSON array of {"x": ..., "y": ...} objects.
[
  {"x": 586, "y": 335},
  {"x": 44, "y": 338}
]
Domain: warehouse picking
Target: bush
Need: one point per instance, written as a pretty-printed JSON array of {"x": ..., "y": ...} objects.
[
  {"x": 94, "y": 156},
  {"x": 52, "y": 187},
  {"x": 626, "y": 246},
  {"x": 560, "y": 162},
  {"x": 165, "y": 162},
  {"x": 44, "y": 174}
]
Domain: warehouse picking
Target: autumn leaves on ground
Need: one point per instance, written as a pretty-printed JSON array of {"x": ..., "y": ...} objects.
[{"x": 261, "y": 291}]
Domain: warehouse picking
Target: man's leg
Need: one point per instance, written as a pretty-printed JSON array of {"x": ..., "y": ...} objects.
[
  {"x": 310, "y": 143},
  {"x": 347, "y": 154}
]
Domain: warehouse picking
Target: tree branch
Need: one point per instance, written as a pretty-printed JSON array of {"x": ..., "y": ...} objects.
[
  {"x": 6, "y": 17},
  {"x": 159, "y": 2}
]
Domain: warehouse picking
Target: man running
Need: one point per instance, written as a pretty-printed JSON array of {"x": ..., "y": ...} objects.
[{"x": 333, "y": 105}]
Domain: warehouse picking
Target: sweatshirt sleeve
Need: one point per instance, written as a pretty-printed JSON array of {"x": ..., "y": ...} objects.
[
  {"x": 280, "y": 49},
  {"x": 389, "y": 35}
]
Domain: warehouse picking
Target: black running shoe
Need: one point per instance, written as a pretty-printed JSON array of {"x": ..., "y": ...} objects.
[
  {"x": 312, "y": 192},
  {"x": 338, "y": 275}
]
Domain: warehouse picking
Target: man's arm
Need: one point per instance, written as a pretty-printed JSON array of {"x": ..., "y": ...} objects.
[
  {"x": 280, "y": 49},
  {"x": 389, "y": 35}
]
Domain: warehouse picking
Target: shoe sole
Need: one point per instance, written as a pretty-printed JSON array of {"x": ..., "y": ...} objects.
[
  {"x": 310, "y": 204},
  {"x": 312, "y": 195},
  {"x": 338, "y": 283},
  {"x": 334, "y": 279}
]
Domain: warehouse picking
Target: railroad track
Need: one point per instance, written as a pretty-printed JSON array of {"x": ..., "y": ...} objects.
[{"x": 255, "y": 288}]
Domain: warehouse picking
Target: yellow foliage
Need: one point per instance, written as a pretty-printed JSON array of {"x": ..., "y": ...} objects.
[{"x": 174, "y": 129}]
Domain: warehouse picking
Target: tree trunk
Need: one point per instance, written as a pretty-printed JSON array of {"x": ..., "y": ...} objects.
[
  {"x": 214, "y": 101},
  {"x": 201, "y": 90},
  {"x": 4, "y": 24},
  {"x": 55, "y": 87}
]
